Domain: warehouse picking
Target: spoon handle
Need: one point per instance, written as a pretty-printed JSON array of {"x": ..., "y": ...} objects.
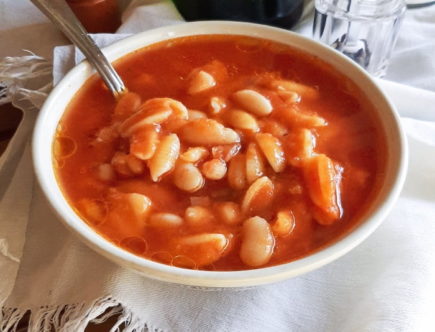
[{"x": 62, "y": 16}]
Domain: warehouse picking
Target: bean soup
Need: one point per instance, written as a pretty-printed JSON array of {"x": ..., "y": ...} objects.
[{"x": 228, "y": 153}]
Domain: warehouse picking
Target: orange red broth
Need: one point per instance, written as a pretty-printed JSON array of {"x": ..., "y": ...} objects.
[{"x": 318, "y": 205}]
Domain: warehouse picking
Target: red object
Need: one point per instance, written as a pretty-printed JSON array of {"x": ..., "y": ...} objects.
[{"x": 97, "y": 15}]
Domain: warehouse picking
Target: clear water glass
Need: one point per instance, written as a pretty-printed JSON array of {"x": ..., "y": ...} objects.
[{"x": 364, "y": 30}]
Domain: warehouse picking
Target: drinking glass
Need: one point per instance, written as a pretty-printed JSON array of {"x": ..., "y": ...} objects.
[{"x": 364, "y": 30}]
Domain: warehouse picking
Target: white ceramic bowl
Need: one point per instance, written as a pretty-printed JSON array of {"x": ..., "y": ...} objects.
[{"x": 59, "y": 98}]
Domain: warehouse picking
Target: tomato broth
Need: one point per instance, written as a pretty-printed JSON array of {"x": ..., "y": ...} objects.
[{"x": 228, "y": 153}]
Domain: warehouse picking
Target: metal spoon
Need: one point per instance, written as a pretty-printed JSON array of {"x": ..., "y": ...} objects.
[{"x": 62, "y": 16}]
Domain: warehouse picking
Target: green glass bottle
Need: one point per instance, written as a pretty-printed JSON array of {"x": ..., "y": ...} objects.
[{"x": 280, "y": 13}]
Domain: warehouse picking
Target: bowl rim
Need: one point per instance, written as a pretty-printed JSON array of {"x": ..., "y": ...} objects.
[{"x": 168, "y": 273}]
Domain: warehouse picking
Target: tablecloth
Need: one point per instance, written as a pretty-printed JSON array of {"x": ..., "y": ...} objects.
[{"x": 386, "y": 284}]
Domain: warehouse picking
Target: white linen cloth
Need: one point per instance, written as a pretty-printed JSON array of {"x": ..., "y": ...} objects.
[{"x": 386, "y": 284}]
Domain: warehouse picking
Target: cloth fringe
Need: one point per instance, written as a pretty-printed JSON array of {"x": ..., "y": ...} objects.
[
  {"x": 28, "y": 79},
  {"x": 18, "y": 76},
  {"x": 74, "y": 317},
  {"x": 4, "y": 250}
]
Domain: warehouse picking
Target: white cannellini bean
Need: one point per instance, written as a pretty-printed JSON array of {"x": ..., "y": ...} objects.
[
  {"x": 254, "y": 163},
  {"x": 289, "y": 97},
  {"x": 95, "y": 211},
  {"x": 258, "y": 197},
  {"x": 139, "y": 204},
  {"x": 284, "y": 223},
  {"x": 253, "y": 102},
  {"x": 164, "y": 220},
  {"x": 237, "y": 172},
  {"x": 308, "y": 143},
  {"x": 136, "y": 165},
  {"x": 194, "y": 154},
  {"x": 106, "y": 172},
  {"x": 219, "y": 239},
  {"x": 133, "y": 207},
  {"x": 273, "y": 150},
  {"x": 295, "y": 189},
  {"x": 257, "y": 242},
  {"x": 107, "y": 134},
  {"x": 187, "y": 177},
  {"x": 198, "y": 216},
  {"x": 207, "y": 132},
  {"x": 300, "y": 146},
  {"x": 119, "y": 163},
  {"x": 273, "y": 127},
  {"x": 301, "y": 89},
  {"x": 128, "y": 104},
  {"x": 194, "y": 114},
  {"x": 200, "y": 81},
  {"x": 294, "y": 117},
  {"x": 206, "y": 248},
  {"x": 214, "y": 169},
  {"x": 242, "y": 120},
  {"x": 228, "y": 212},
  {"x": 163, "y": 160},
  {"x": 127, "y": 165},
  {"x": 217, "y": 104}
]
